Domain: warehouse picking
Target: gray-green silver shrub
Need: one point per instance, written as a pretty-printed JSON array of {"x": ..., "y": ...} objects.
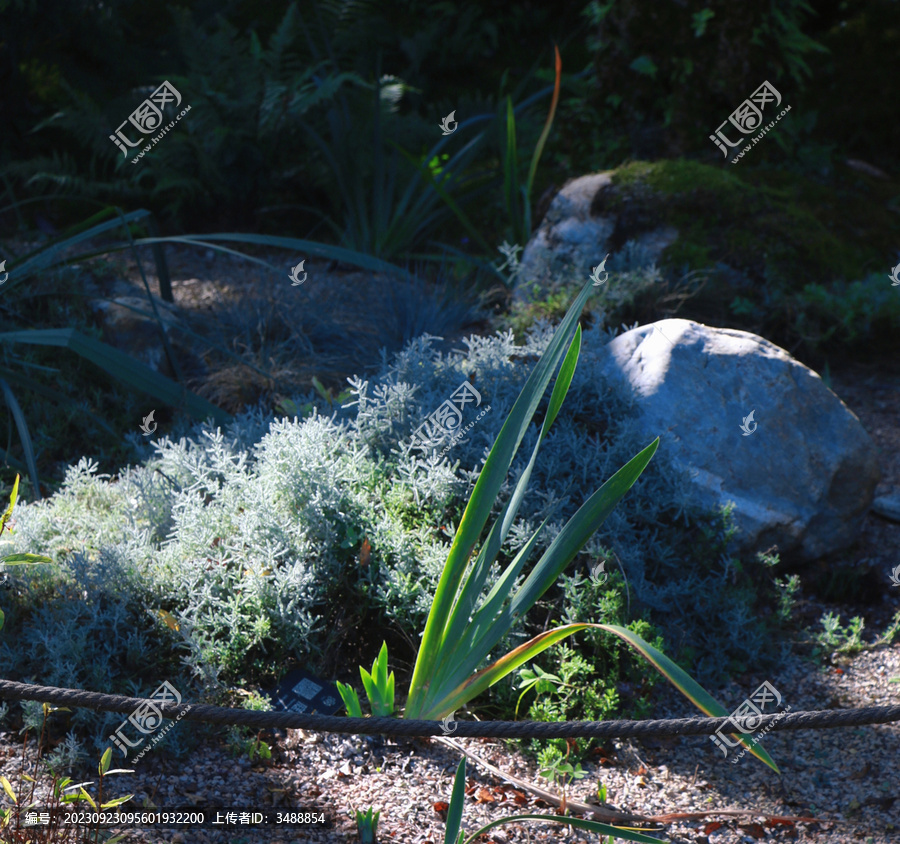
[{"x": 249, "y": 536}]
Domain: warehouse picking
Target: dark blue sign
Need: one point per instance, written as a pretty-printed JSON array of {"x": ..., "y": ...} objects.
[{"x": 303, "y": 692}]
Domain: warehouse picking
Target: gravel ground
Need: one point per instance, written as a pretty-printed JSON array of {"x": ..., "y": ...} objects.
[{"x": 845, "y": 777}]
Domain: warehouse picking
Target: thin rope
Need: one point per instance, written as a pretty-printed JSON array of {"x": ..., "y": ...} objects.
[{"x": 815, "y": 720}]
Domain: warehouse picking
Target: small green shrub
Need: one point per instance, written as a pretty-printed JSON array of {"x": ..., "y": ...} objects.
[
  {"x": 655, "y": 95},
  {"x": 241, "y": 740},
  {"x": 859, "y": 316},
  {"x": 379, "y": 686},
  {"x": 554, "y": 766},
  {"x": 367, "y": 825},
  {"x": 56, "y": 793},
  {"x": 846, "y": 639}
]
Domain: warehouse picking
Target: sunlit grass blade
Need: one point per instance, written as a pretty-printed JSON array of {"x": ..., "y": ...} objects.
[
  {"x": 13, "y": 498},
  {"x": 453, "y": 635},
  {"x": 350, "y": 698},
  {"x": 572, "y": 538},
  {"x": 475, "y": 684},
  {"x": 24, "y": 559}
]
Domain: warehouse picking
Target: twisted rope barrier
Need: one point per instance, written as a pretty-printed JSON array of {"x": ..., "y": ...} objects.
[{"x": 815, "y": 720}]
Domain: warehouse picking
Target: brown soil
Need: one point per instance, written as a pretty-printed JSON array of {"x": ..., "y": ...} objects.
[{"x": 872, "y": 392}]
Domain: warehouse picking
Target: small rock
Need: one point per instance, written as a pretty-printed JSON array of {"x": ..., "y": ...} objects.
[{"x": 887, "y": 506}]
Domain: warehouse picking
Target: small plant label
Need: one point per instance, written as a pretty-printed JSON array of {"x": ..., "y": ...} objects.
[{"x": 303, "y": 692}]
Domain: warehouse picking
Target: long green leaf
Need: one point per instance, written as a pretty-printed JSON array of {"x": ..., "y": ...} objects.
[
  {"x": 678, "y": 677},
  {"x": 121, "y": 366},
  {"x": 538, "y": 150},
  {"x": 47, "y": 254},
  {"x": 457, "y": 799},
  {"x": 511, "y": 171},
  {"x": 475, "y": 684},
  {"x": 626, "y": 833},
  {"x": 350, "y": 698},
  {"x": 685, "y": 684},
  {"x": 24, "y": 559},
  {"x": 483, "y": 496},
  {"x": 24, "y": 436},
  {"x": 488, "y": 629},
  {"x": 13, "y": 497},
  {"x": 321, "y": 250},
  {"x": 453, "y": 637},
  {"x": 572, "y": 538}
]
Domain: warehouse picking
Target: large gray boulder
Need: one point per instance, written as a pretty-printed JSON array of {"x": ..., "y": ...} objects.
[
  {"x": 805, "y": 475},
  {"x": 573, "y": 238}
]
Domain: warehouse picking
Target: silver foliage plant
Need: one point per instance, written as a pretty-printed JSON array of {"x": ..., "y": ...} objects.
[{"x": 242, "y": 534}]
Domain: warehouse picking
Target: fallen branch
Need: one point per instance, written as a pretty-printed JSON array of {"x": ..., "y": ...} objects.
[{"x": 606, "y": 812}]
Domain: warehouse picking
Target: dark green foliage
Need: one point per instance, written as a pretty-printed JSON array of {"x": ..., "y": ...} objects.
[
  {"x": 670, "y": 73},
  {"x": 857, "y": 84}
]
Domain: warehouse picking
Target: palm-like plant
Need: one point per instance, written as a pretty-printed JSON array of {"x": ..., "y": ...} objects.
[{"x": 462, "y": 628}]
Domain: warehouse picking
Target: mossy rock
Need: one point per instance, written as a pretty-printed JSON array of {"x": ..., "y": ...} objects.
[
  {"x": 776, "y": 227},
  {"x": 754, "y": 248}
]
